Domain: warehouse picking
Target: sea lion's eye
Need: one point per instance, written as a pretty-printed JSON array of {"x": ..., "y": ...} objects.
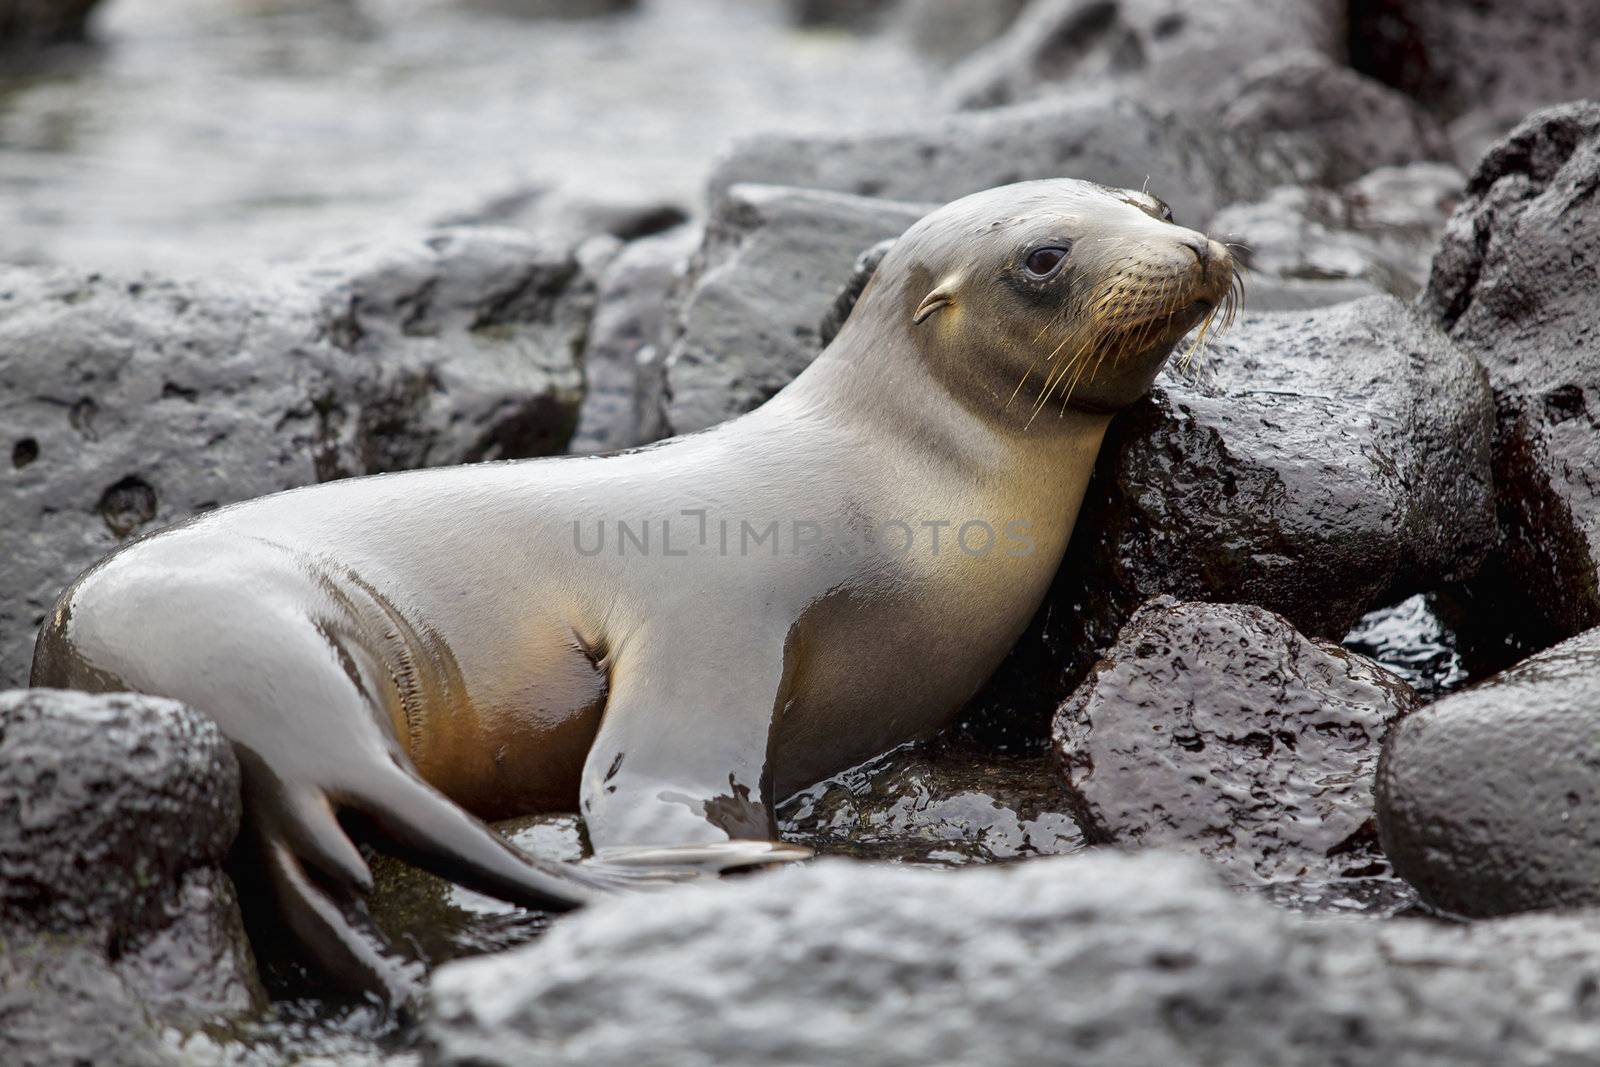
[
  {"x": 1043, "y": 262},
  {"x": 1164, "y": 213}
]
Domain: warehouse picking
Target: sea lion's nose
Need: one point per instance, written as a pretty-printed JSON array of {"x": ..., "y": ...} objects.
[{"x": 1201, "y": 249}]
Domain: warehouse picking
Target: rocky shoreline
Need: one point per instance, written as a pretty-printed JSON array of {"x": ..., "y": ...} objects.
[{"x": 1328, "y": 623}]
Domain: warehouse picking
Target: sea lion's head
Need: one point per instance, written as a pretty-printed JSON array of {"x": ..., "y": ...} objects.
[{"x": 1053, "y": 293}]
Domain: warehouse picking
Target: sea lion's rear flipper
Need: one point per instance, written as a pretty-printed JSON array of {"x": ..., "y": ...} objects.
[{"x": 334, "y": 938}]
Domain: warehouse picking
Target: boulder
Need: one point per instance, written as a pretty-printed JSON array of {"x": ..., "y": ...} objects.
[
  {"x": 1218, "y": 729},
  {"x": 750, "y": 310},
  {"x": 28, "y": 23},
  {"x": 1315, "y": 463},
  {"x": 1514, "y": 285},
  {"x": 131, "y": 403},
  {"x": 1094, "y": 136},
  {"x": 1310, "y": 247},
  {"x": 1170, "y": 53},
  {"x": 1097, "y": 960},
  {"x": 1484, "y": 64},
  {"x": 631, "y": 310},
  {"x": 943, "y": 803},
  {"x": 1489, "y": 799},
  {"x": 116, "y": 815}
]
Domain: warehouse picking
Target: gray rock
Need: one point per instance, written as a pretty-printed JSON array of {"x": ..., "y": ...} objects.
[
  {"x": 942, "y": 804},
  {"x": 1514, "y": 285},
  {"x": 752, "y": 306},
  {"x": 1170, "y": 53},
  {"x": 26, "y": 23},
  {"x": 1094, "y": 136},
  {"x": 1328, "y": 123},
  {"x": 116, "y": 814},
  {"x": 1316, "y": 463},
  {"x": 1095, "y": 960},
  {"x": 61, "y": 1004},
  {"x": 1484, "y": 64},
  {"x": 945, "y": 30},
  {"x": 1218, "y": 729},
  {"x": 1311, "y": 247},
  {"x": 132, "y": 403},
  {"x": 1488, "y": 799},
  {"x": 630, "y": 316}
]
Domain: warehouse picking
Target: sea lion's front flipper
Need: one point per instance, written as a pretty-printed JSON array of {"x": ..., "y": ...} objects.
[
  {"x": 714, "y": 858},
  {"x": 678, "y": 773}
]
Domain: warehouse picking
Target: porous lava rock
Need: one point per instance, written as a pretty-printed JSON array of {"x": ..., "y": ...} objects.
[{"x": 1218, "y": 729}]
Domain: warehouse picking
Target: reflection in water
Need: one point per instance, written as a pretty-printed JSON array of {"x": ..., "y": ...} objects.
[{"x": 206, "y": 133}]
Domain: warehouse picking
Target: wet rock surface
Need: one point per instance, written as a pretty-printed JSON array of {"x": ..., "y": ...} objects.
[
  {"x": 1309, "y": 247},
  {"x": 1218, "y": 729},
  {"x": 1514, "y": 285},
  {"x": 116, "y": 814},
  {"x": 1096, "y": 959},
  {"x": 1487, "y": 799},
  {"x": 752, "y": 306},
  {"x": 131, "y": 403},
  {"x": 1316, "y": 463},
  {"x": 944, "y": 804}
]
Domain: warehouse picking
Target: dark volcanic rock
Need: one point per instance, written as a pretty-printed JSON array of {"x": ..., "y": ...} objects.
[
  {"x": 1171, "y": 53},
  {"x": 38, "y": 22},
  {"x": 631, "y": 311},
  {"x": 1314, "y": 463},
  {"x": 116, "y": 814},
  {"x": 1486, "y": 63},
  {"x": 941, "y": 804},
  {"x": 1095, "y": 137},
  {"x": 1489, "y": 799},
  {"x": 132, "y": 403},
  {"x": 1098, "y": 960},
  {"x": 1312, "y": 247},
  {"x": 751, "y": 308},
  {"x": 1514, "y": 284},
  {"x": 1218, "y": 729}
]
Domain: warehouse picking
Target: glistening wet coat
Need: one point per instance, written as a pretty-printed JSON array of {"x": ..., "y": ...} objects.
[{"x": 407, "y": 648}]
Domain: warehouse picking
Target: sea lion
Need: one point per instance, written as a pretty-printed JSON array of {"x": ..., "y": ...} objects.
[{"x": 674, "y": 637}]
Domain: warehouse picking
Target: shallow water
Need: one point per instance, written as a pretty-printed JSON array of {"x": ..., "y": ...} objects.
[
  {"x": 1412, "y": 640},
  {"x": 206, "y": 134}
]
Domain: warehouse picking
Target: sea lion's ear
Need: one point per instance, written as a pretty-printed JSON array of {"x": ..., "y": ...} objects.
[{"x": 935, "y": 300}]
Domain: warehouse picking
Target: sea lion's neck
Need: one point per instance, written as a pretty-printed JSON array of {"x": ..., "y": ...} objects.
[{"x": 871, "y": 387}]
